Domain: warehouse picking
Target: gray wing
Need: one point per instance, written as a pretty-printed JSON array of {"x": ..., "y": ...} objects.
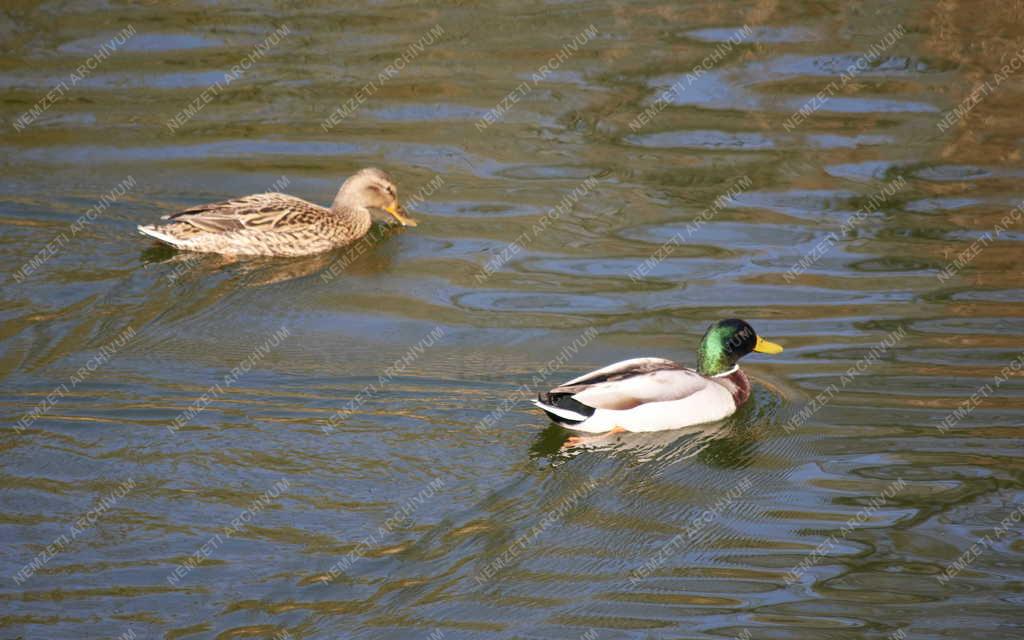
[{"x": 630, "y": 383}]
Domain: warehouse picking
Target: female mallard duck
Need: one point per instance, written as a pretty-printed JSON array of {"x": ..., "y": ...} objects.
[
  {"x": 275, "y": 224},
  {"x": 654, "y": 394}
]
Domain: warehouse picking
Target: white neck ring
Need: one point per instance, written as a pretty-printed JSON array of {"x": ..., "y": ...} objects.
[{"x": 734, "y": 369}]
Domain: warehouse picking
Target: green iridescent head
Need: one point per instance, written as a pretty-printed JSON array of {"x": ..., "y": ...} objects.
[{"x": 727, "y": 341}]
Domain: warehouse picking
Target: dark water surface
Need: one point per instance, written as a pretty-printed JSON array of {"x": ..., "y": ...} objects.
[{"x": 323, "y": 449}]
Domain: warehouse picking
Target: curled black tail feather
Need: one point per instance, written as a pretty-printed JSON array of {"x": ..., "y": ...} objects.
[{"x": 567, "y": 402}]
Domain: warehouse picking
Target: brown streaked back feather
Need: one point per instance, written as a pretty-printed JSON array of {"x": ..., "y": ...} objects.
[{"x": 259, "y": 212}]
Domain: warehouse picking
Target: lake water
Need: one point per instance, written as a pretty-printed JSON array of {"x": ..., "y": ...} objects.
[{"x": 343, "y": 447}]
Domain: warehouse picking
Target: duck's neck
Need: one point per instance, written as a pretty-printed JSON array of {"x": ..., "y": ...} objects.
[
  {"x": 358, "y": 219},
  {"x": 712, "y": 358},
  {"x": 728, "y": 372},
  {"x": 345, "y": 203}
]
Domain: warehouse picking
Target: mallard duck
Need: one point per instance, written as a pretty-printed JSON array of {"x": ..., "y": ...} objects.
[
  {"x": 275, "y": 224},
  {"x": 655, "y": 394}
]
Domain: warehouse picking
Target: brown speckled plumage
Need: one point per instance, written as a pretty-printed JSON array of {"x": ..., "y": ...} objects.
[{"x": 275, "y": 224}]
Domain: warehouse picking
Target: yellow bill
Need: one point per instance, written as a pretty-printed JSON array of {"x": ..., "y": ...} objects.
[
  {"x": 764, "y": 346},
  {"x": 399, "y": 214}
]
